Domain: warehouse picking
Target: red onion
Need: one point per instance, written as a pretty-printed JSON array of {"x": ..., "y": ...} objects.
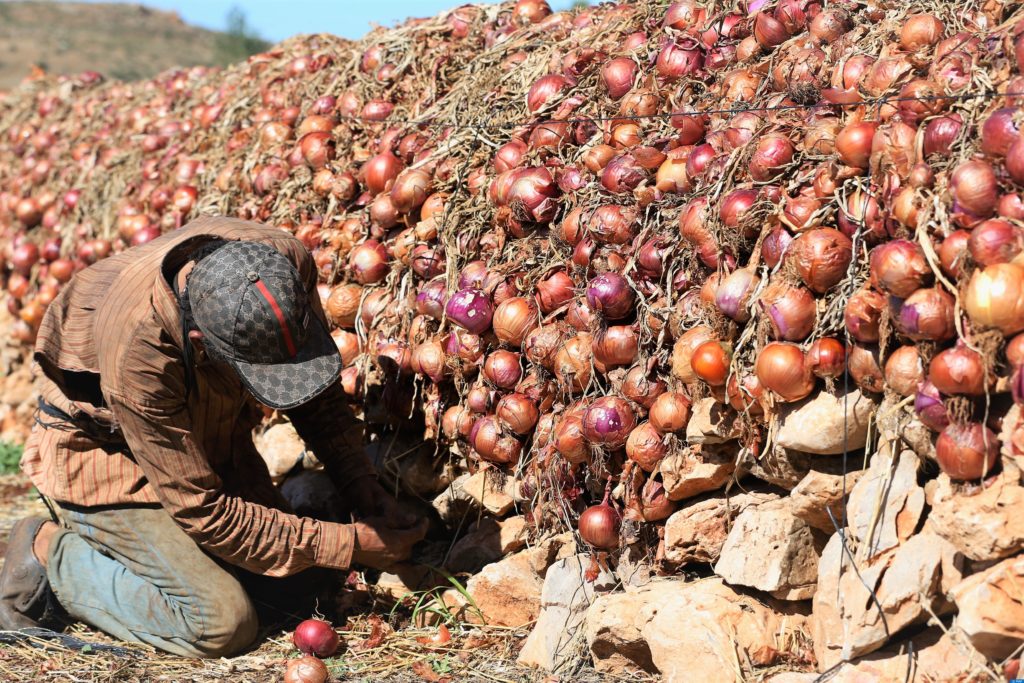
[
  {"x": 1000, "y": 130},
  {"x": 599, "y": 526},
  {"x": 734, "y": 292},
  {"x": 929, "y": 407},
  {"x": 899, "y": 268},
  {"x": 545, "y": 91},
  {"x": 995, "y": 241},
  {"x": 791, "y": 311},
  {"x": 611, "y": 294},
  {"x": 974, "y": 188},
  {"x": 821, "y": 257},
  {"x": 959, "y": 371},
  {"x": 608, "y": 421},
  {"x": 927, "y": 315},
  {"x": 503, "y": 369},
  {"x": 940, "y": 133},
  {"x": 618, "y": 75},
  {"x": 315, "y": 637},
  {"x": 679, "y": 59},
  {"x": 431, "y": 299},
  {"x": 967, "y": 451},
  {"x": 470, "y": 309}
]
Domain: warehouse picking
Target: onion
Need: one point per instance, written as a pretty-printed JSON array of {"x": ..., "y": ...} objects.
[
  {"x": 380, "y": 171},
  {"x": 502, "y": 368},
  {"x": 343, "y": 305},
  {"x": 646, "y": 447},
  {"x": 618, "y": 75},
  {"x": 513, "y": 319},
  {"x": 684, "y": 14},
  {"x": 533, "y": 194},
  {"x": 734, "y": 292},
  {"x": 670, "y": 412},
  {"x": 488, "y": 440},
  {"x": 769, "y": 31},
  {"x": 315, "y": 637},
  {"x": 864, "y": 368},
  {"x": 904, "y": 371},
  {"x": 611, "y": 294},
  {"x": 829, "y": 25},
  {"x": 710, "y": 362},
  {"x": 967, "y": 451},
  {"x": 679, "y": 59},
  {"x": 826, "y": 358},
  {"x": 612, "y": 224},
  {"x": 995, "y": 297},
  {"x": 470, "y": 309},
  {"x": 569, "y": 440},
  {"x": 639, "y": 387},
  {"x": 940, "y": 133},
  {"x": 772, "y": 154},
  {"x": 608, "y": 421},
  {"x": 517, "y": 413},
  {"x": 929, "y": 407},
  {"x": 1001, "y": 129},
  {"x": 927, "y": 315},
  {"x": 899, "y": 268},
  {"x": 431, "y": 299},
  {"x": 791, "y": 310},
  {"x": 411, "y": 188},
  {"x": 429, "y": 359},
  {"x": 821, "y": 257},
  {"x": 306, "y": 669},
  {"x": 920, "y": 31},
  {"x": 775, "y": 246},
  {"x": 1015, "y": 351},
  {"x": 682, "y": 352},
  {"x": 24, "y": 256},
  {"x": 348, "y": 346},
  {"x": 616, "y": 346},
  {"x": 959, "y": 371},
  {"x": 853, "y": 143},
  {"x": 952, "y": 251},
  {"x": 545, "y": 91},
  {"x": 574, "y": 363},
  {"x": 974, "y": 188},
  {"x": 542, "y": 343},
  {"x": 995, "y": 241},
  {"x": 457, "y": 422},
  {"x": 599, "y": 525},
  {"x": 781, "y": 368},
  {"x": 368, "y": 262},
  {"x": 654, "y": 502}
]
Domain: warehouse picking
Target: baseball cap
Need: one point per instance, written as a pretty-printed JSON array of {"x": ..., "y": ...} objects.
[{"x": 250, "y": 304}]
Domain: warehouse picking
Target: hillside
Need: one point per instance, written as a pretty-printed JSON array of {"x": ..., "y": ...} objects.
[{"x": 121, "y": 41}]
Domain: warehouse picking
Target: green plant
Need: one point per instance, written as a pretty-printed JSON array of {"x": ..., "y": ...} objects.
[
  {"x": 10, "y": 456},
  {"x": 239, "y": 40},
  {"x": 431, "y": 602}
]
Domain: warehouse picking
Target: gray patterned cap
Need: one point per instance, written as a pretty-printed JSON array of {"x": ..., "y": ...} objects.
[{"x": 248, "y": 301}]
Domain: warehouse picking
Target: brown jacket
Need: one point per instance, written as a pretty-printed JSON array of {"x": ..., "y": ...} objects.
[{"x": 109, "y": 354}]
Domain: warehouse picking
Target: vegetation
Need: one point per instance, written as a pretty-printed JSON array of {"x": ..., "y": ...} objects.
[
  {"x": 10, "y": 456},
  {"x": 239, "y": 40}
]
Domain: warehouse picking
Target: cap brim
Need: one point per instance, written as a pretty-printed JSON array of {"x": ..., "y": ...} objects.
[{"x": 286, "y": 385}]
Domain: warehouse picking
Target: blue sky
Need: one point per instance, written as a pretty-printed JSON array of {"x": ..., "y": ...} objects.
[{"x": 278, "y": 20}]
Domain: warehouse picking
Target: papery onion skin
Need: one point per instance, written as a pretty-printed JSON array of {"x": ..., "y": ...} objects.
[
  {"x": 646, "y": 447},
  {"x": 518, "y": 413},
  {"x": 826, "y": 358},
  {"x": 781, "y": 368},
  {"x": 904, "y": 371},
  {"x": 513, "y": 319},
  {"x": 995, "y": 241},
  {"x": 863, "y": 366},
  {"x": 470, "y": 309},
  {"x": 974, "y": 188},
  {"x": 791, "y": 311},
  {"x": 959, "y": 371},
  {"x": 734, "y": 292},
  {"x": 682, "y": 352},
  {"x": 710, "y": 362},
  {"x": 611, "y": 294},
  {"x": 995, "y": 297},
  {"x": 927, "y": 315},
  {"x": 821, "y": 257},
  {"x": 900, "y": 268},
  {"x": 315, "y": 637},
  {"x": 670, "y": 412},
  {"x": 967, "y": 451},
  {"x": 863, "y": 315},
  {"x": 929, "y": 407}
]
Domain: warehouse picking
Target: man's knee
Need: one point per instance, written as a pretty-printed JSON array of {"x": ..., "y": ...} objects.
[{"x": 229, "y": 623}]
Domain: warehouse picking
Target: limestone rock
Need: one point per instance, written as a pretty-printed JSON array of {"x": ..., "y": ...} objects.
[
  {"x": 818, "y": 423},
  {"x": 886, "y": 504},
  {"x": 712, "y": 423},
  {"x": 613, "y": 634},
  {"x": 771, "y": 550},
  {"x": 984, "y": 523},
  {"x": 653, "y": 629},
  {"x": 403, "y": 580},
  {"x": 733, "y": 628},
  {"x": 792, "y": 677},
  {"x": 634, "y": 566},
  {"x": 558, "y": 636},
  {"x": 697, "y": 469},
  {"x": 817, "y": 493},
  {"x": 929, "y": 657},
  {"x": 508, "y": 592},
  {"x": 491, "y": 490},
  {"x": 991, "y": 608},
  {"x": 697, "y": 532},
  {"x": 512, "y": 534},
  {"x": 910, "y": 582},
  {"x": 487, "y": 541},
  {"x": 454, "y": 503},
  {"x": 281, "y": 448}
]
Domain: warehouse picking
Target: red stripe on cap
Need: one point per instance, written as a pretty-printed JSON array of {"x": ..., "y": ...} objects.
[{"x": 285, "y": 332}]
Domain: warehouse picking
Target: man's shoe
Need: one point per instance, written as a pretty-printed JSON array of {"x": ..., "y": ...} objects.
[{"x": 25, "y": 597}]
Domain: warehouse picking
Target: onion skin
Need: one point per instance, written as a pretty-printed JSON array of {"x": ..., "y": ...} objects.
[
  {"x": 959, "y": 371},
  {"x": 899, "y": 268},
  {"x": 710, "y": 362},
  {"x": 929, "y": 407},
  {"x": 821, "y": 258},
  {"x": 608, "y": 422},
  {"x": 995, "y": 298},
  {"x": 967, "y": 451},
  {"x": 470, "y": 309},
  {"x": 670, "y": 412},
  {"x": 646, "y": 447},
  {"x": 682, "y": 352},
  {"x": 904, "y": 371},
  {"x": 826, "y": 358},
  {"x": 863, "y": 315},
  {"x": 790, "y": 310},
  {"x": 781, "y": 368},
  {"x": 995, "y": 241},
  {"x": 864, "y": 368},
  {"x": 927, "y": 315}
]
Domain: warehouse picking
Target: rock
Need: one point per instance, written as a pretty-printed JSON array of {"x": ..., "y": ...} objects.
[
  {"x": 792, "y": 677},
  {"x": 694, "y": 470},
  {"x": 712, "y": 423},
  {"x": 910, "y": 582},
  {"x": 281, "y": 448},
  {"x": 491, "y": 490},
  {"x": 991, "y": 608},
  {"x": 487, "y": 541},
  {"x": 901, "y": 423},
  {"x": 698, "y": 630},
  {"x": 557, "y": 639},
  {"x": 404, "y": 580},
  {"x": 508, "y": 592},
  {"x": 785, "y": 467},
  {"x": 886, "y": 505},
  {"x": 819, "y": 423},
  {"x": 696, "y": 532},
  {"x": 613, "y": 634},
  {"x": 928, "y": 657},
  {"x": 454, "y": 504},
  {"x": 817, "y": 493},
  {"x": 772, "y": 550},
  {"x": 984, "y": 523},
  {"x": 634, "y": 566}
]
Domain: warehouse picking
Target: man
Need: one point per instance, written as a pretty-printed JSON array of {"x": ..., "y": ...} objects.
[{"x": 150, "y": 365}]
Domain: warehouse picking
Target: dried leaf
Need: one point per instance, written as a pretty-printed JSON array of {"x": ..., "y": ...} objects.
[
  {"x": 424, "y": 671},
  {"x": 378, "y": 631},
  {"x": 593, "y": 571}
]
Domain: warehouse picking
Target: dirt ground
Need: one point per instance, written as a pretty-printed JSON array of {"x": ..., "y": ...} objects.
[{"x": 473, "y": 654}]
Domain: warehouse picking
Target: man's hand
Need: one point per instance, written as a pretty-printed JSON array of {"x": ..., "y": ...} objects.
[
  {"x": 371, "y": 500},
  {"x": 380, "y": 546}
]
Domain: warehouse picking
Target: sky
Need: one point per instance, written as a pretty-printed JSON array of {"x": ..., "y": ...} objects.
[{"x": 278, "y": 20}]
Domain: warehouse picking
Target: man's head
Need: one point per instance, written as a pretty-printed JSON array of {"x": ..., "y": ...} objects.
[{"x": 250, "y": 305}]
